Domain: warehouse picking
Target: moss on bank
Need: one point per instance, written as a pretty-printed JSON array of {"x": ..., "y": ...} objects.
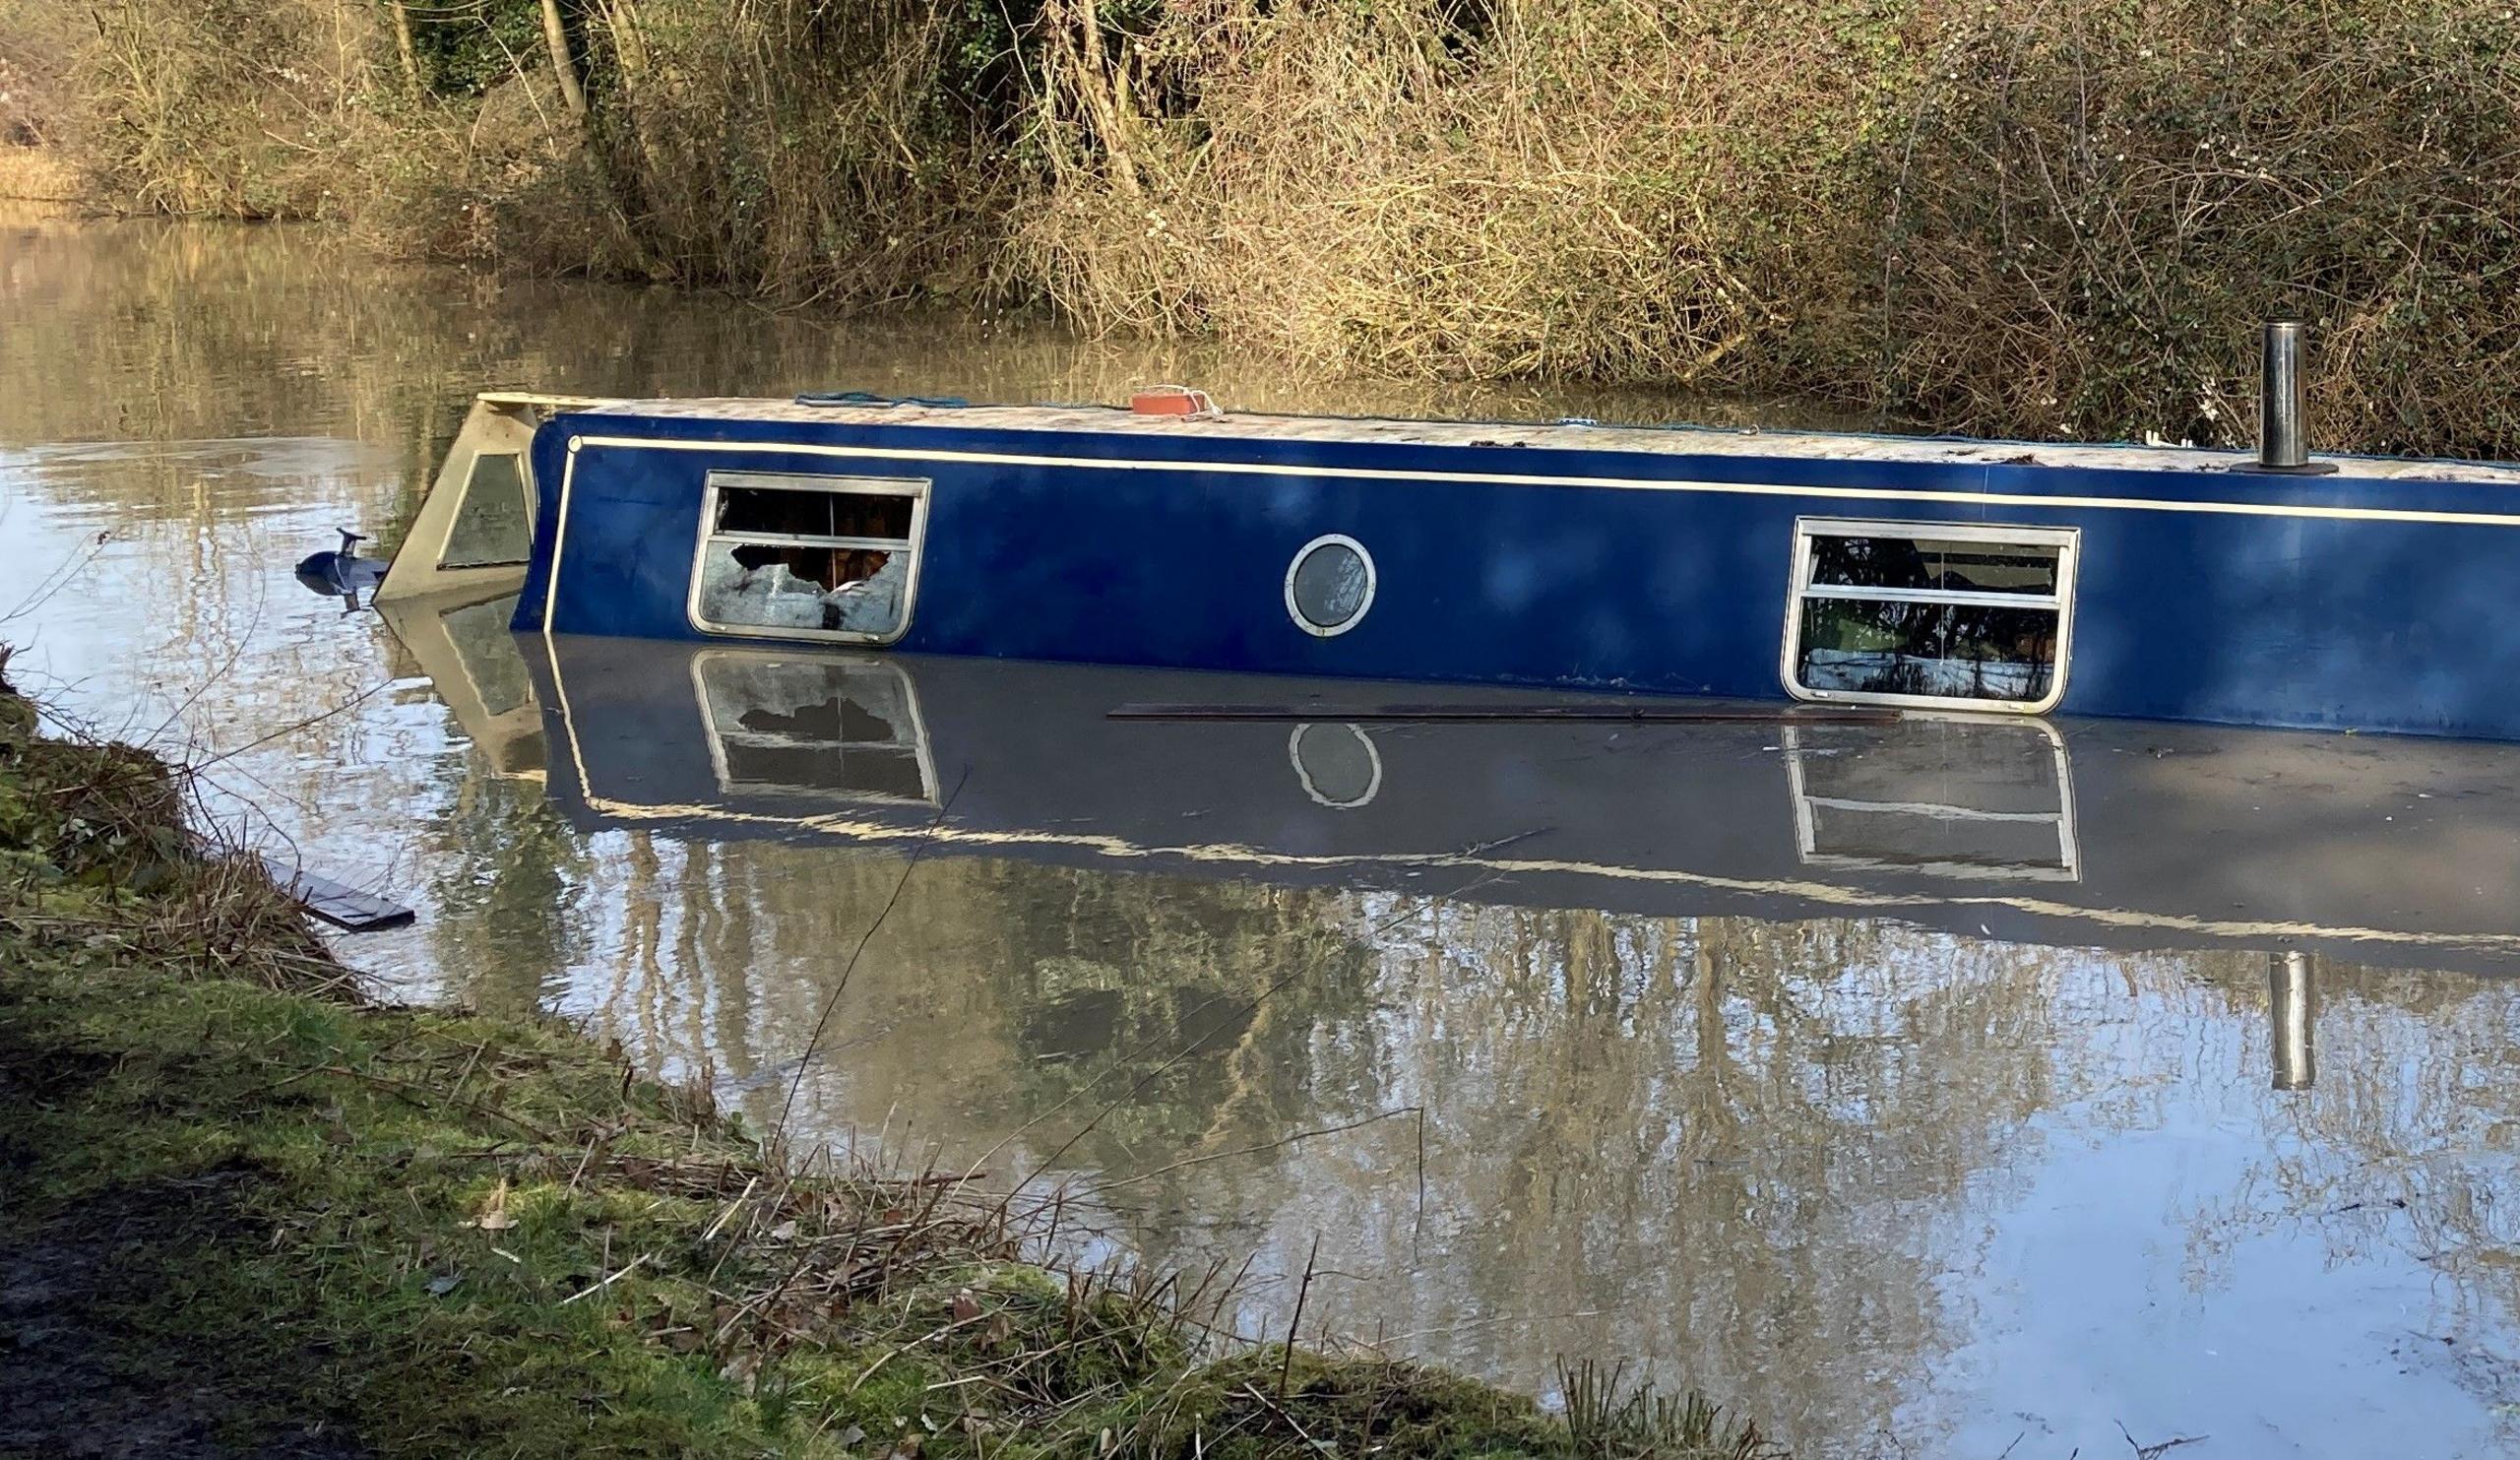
[{"x": 241, "y": 1206}]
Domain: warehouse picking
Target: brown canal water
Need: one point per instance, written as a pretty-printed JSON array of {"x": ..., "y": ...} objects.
[{"x": 1968, "y": 1090}]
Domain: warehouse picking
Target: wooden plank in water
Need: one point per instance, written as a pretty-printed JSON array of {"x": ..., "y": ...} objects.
[
  {"x": 1630, "y": 711},
  {"x": 342, "y": 906}
]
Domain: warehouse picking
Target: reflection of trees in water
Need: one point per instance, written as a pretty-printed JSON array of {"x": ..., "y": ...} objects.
[
  {"x": 1765, "y": 1157},
  {"x": 509, "y": 877},
  {"x": 207, "y": 332},
  {"x": 993, "y": 991},
  {"x": 1743, "y": 1146},
  {"x": 1740, "y": 1149},
  {"x": 2409, "y": 1141}
]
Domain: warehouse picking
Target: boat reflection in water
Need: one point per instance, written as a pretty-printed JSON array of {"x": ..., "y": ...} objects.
[
  {"x": 1883, "y": 1151},
  {"x": 2093, "y": 833}
]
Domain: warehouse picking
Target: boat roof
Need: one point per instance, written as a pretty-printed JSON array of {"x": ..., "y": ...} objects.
[{"x": 1563, "y": 436}]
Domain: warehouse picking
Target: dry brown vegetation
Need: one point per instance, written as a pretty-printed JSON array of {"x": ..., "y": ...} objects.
[
  {"x": 2059, "y": 219},
  {"x": 2040, "y": 220},
  {"x": 238, "y": 108}
]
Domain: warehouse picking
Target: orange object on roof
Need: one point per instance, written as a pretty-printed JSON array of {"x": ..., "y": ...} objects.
[{"x": 1176, "y": 400}]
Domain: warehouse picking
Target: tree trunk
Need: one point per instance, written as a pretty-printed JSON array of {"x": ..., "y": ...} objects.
[
  {"x": 556, "y": 35},
  {"x": 402, "y": 46}
]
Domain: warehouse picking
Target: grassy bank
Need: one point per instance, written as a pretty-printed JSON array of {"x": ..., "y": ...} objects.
[
  {"x": 241, "y": 1206},
  {"x": 2062, "y": 220}
]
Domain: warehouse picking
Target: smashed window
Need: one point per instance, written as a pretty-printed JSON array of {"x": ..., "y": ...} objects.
[
  {"x": 493, "y": 522},
  {"x": 1930, "y": 614},
  {"x": 809, "y": 556}
]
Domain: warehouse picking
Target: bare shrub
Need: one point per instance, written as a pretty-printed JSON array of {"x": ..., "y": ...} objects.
[
  {"x": 1529, "y": 191},
  {"x": 231, "y": 107},
  {"x": 791, "y": 149},
  {"x": 800, "y": 148},
  {"x": 2086, "y": 208},
  {"x": 38, "y": 39},
  {"x": 2058, "y": 219},
  {"x": 504, "y": 181}
]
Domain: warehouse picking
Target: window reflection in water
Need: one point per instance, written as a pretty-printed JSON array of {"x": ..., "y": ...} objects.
[
  {"x": 1953, "y": 796},
  {"x": 467, "y": 652},
  {"x": 815, "y": 726}
]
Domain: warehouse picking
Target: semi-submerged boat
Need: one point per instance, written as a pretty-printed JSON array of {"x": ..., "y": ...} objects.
[{"x": 1853, "y": 570}]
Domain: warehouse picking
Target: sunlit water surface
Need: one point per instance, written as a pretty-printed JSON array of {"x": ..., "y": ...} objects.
[{"x": 1891, "y": 1183}]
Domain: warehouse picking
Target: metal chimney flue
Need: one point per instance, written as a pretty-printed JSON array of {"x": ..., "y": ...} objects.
[
  {"x": 2283, "y": 432},
  {"x": 2293, "y": 1008}
]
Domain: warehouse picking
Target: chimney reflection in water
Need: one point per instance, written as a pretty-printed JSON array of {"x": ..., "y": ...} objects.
[{"x": 2293, "y": 1005}]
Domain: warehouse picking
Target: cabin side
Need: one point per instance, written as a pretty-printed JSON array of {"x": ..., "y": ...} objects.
[{"x": 1939, "y": 579}]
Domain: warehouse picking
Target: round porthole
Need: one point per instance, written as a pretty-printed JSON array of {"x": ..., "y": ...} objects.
[
  {"x": 1330, "y": 585},
  {"x": 1336, "y": 764}
]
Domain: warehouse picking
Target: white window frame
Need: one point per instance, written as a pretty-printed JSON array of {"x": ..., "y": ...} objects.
[
  {"x": 1798, "y": 587},
  {"x": 914, "y": 487}
]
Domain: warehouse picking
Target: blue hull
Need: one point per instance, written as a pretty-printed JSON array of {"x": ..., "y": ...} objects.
[{"x": 2346, "y": 602}]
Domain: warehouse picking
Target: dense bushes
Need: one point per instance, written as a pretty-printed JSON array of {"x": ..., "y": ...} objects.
[
  {"x": 2059, "y": 219},
  {"x": 2042, "y": 221},
  {"x": 236, "y": 107},
  {"x": 2087, "y": 208}
]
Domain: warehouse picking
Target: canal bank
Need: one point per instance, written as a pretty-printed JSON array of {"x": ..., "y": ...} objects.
[
  {"x": 247, "y": 1208},
  {"x": 2045, "y": 224}
]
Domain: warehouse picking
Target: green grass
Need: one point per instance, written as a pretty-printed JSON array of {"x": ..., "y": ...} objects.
[{"x": 440, "y": 1233}]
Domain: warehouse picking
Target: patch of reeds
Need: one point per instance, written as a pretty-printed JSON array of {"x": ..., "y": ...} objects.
[
  {"x": 1426, "y": 188},
  {"x": 36, "y": 174}
]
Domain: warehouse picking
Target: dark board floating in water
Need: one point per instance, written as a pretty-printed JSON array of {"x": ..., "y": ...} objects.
[
  {"x": 1843, "y": 570},
  {"x": 342, "y": 906}
]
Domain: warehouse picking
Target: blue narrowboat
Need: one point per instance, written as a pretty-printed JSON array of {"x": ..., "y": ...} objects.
[{"x": 2012, "y": 578}]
